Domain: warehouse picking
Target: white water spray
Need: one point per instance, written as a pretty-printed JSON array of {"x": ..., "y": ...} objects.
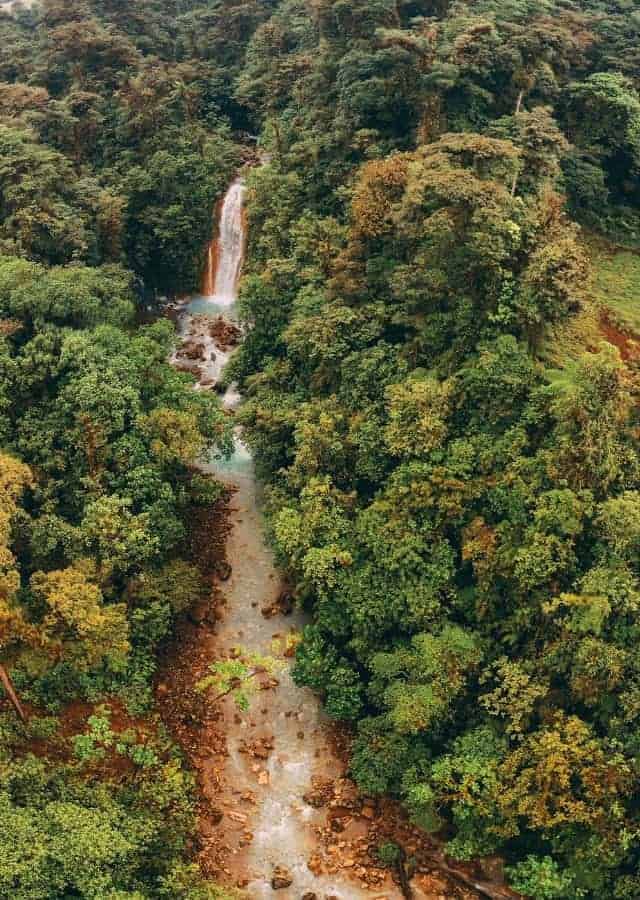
[{"x": 230, "y": 248}]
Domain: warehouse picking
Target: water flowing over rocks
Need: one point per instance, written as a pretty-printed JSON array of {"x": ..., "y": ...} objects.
[{"x": 278, "y": 816}]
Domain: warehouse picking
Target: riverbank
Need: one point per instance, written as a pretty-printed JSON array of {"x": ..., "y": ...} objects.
[{"x": 278, "y": 814}]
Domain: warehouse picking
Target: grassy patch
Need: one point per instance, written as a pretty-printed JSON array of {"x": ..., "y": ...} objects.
[
  {"x": 611, "y": 311},
  {"x": 570, "y": 339},
  {"x": 616, "y": 282}
]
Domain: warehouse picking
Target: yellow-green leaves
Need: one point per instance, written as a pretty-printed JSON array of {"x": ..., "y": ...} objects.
[
  {"x": 418, "y": 411},
  {"x": 78, "y": 626}
]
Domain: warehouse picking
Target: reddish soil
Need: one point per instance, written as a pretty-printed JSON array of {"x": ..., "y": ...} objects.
[
  {"x": 627, "y": 343},
  {"x": 351, "y": 827},
  {"x": 73, "y": 721},
  {"x": 194, "y": 724}
]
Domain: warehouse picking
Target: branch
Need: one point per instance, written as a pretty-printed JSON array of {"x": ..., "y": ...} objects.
[
  {"x": 7, "y": 684},
  {"x": 236, "y": 684},
  {"x": 492, "y": 891}
]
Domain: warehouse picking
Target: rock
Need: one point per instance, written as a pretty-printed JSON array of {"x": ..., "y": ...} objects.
[
  {"x": 223, "y": 570},
  {"x": 347, "y": 793},
  {"x": 199, "y": 614},
  {"x": 281, "y": 879},
  {"x": 191, "y": 350},
  {"x": 192, "y": 368},
  {"x": 286, "y": 603},
  {"x": 217, "y": 815},
  {"x": 224, "y": 333},
  {"x": 320, "y": 794},
  {"x": 309, "y": 896},
  {"x": 492, "y": 868}
]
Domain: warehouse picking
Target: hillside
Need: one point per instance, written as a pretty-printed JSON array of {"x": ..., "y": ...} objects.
[{"x": 426, "y": 394}]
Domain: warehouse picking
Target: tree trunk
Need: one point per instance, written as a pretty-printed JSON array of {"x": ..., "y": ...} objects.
[
  {"x": 405, "y": 885},
  {"x": 514, "y": 183},
  {"x": 5, "y": 680},
  {"x": 519, "y": 103}
]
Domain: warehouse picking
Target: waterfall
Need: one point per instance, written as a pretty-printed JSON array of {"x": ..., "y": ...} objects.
[
  {"x": 274, "y": 826},
  {"x": 208, "y": 275},
  {"x": 225, "y": 254}
]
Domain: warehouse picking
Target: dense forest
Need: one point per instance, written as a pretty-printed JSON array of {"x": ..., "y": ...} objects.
[
  {"x": 114, "y": 146},
  {"x": 441, "y": 301},
  {"x": 450, "y": 443}
]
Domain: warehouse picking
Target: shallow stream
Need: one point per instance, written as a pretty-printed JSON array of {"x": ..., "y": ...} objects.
[{"x": 266, "y": 822}]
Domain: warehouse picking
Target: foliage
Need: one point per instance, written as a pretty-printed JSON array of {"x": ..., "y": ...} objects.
[
  {"x": 235, "y": 677},
  {"x": 458, "y": 517},
  {"x": 115, "y": 145}
]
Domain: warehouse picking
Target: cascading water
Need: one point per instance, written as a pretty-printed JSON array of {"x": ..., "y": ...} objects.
[
  {"x": 225, "y": 253},
  {"x": 209, "y": 274},
  {"x": 266, "y": 823}
]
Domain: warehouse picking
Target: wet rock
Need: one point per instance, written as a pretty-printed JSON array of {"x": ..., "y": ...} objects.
[
  {"x": 320, "y": 794},
  {"x": 285, "y": 603},
  {"x": 216, "y": 815},
  {"x": 191, "y": 350},
  {"x": 259, "y": 749},
  {"x": 281, "y": 879},
  {"x": 262, "y": 749},
  {"x": 183, "y": 366},
  {"x": 223, "y": 570},
  {"x": 225, "y": 333}
]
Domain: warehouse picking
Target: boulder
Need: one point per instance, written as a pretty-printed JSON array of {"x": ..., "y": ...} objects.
[
  {"x": 281, "y": 878},
  {"x": 223, "y": 570},
  {"x": 191, "y": 350},
  {"x": 286, "y": 603}
]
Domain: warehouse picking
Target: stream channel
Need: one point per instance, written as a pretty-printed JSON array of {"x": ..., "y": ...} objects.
[{"x": 277, "y": 828}]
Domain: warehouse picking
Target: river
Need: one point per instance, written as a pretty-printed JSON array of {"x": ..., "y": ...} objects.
[
  {"x": 278, "y": 816},
  {"x": 265, "y": 821}
]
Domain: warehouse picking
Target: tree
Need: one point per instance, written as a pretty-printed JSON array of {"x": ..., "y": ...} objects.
[{"x": 14, "y": 479}]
